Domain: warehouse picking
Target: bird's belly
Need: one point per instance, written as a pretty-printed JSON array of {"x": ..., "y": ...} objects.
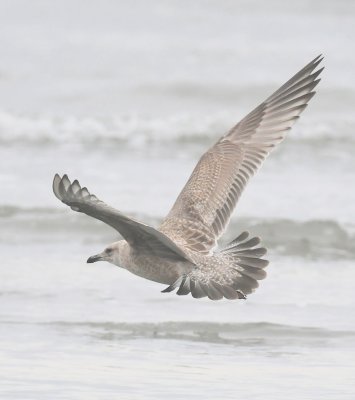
[{"x": 158, "y": 269}]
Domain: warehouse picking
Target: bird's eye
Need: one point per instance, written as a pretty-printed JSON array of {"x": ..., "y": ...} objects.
[{"x": 109, "y": 251}]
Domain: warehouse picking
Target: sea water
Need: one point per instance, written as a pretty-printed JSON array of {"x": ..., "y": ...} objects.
[{"x": 126, "y": 97}]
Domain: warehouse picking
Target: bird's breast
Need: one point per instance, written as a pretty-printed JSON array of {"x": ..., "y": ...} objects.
[{"x": 154, "y": 268}]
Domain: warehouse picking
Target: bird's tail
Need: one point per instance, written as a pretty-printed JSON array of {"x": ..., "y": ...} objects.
[
  {"x": 246, "y": 257},
  {"x": 243, "y": 268}
]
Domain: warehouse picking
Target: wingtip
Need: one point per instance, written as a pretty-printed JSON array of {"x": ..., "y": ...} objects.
[
  {"x": 311, "y": 66},
  {"x": 61, "y": 185},
  {"x": 55, "y": 186},
  {"x": 318, "y": 59},
  {"x": 314, "y": 63}
]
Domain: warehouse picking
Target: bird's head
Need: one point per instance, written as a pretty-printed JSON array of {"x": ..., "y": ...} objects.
[{"x": 110, "y": 254}]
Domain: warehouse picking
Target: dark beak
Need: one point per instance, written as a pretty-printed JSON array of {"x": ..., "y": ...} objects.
[{"x": 94, "y": 258}]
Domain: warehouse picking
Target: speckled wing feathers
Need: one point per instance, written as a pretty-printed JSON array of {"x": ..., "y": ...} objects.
[
  {"x": 204, "y": 207},
  {"x": 137, "y": 234}
]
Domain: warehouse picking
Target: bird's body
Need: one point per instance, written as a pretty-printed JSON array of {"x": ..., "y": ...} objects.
[
  {"x": 183, "y": 252},
  {"x": 149, "y": 266}
]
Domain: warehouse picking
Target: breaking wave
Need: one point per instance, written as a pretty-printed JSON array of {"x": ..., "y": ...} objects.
[
  {"x": 312, "y": 238},
  {"x": 139, "y": 130},
  {"x": 240, "y": 334}
]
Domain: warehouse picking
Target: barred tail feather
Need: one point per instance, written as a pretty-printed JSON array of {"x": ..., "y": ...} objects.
[
  {"x": 243, "y": 268},
  {"x": 246, "y": 258}
]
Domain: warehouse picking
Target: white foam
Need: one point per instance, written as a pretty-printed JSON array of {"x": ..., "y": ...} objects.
[{"x": 139, "y": 130}]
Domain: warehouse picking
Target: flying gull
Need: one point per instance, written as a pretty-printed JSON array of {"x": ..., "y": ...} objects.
[{"x": 183, "y": 251}]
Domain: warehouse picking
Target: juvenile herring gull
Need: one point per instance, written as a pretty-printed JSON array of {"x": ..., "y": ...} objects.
[{"x": 183, "y": 252}]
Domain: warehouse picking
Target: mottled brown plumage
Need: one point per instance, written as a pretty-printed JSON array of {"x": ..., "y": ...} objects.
[{"x": 182, "y": 252}]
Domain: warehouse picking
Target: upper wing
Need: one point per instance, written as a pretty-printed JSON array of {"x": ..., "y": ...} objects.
[
  {"x": 137, "y": 234},
  {"x": 203, "y": 208}
]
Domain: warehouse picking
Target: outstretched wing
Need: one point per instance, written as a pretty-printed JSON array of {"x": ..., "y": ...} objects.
[
  {"x": 203, "y": 208},
  {"x": 137, "y": 234}
]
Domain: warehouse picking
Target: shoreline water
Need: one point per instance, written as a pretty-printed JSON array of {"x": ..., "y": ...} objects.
[{"x": 126, "y": 97}]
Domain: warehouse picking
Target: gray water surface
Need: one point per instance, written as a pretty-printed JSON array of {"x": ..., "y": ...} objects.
[{"x": 126, "y": 97}]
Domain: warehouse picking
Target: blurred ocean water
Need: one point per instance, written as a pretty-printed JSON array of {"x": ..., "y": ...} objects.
[{"x": 126, "y": 96}]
